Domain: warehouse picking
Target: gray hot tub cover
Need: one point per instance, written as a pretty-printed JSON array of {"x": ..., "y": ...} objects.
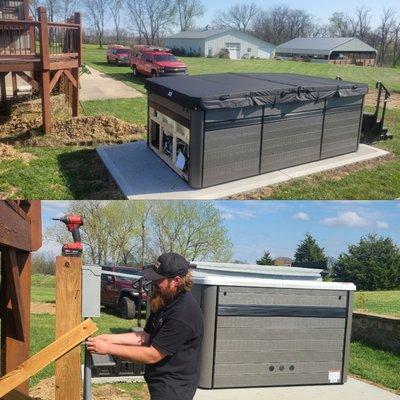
[{"x": 234, "y": 90}]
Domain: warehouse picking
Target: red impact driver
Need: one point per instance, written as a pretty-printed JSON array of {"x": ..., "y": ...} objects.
[{"x": 73, "y": 223}]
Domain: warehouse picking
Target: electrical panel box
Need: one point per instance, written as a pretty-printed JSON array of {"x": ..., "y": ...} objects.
[{"x": 91, "y": 285}]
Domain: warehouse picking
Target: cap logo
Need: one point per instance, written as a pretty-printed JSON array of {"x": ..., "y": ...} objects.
[{"x": 157, "y": 265}]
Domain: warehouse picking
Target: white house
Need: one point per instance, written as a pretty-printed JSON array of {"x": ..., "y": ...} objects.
[{"x": 209, "y": 42}]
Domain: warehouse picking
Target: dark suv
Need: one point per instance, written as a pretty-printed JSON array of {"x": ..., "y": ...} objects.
[{"x": 126, "y": 293}]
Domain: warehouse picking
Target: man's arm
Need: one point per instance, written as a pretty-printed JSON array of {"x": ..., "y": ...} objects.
[
  {"x": 131, "y": 338},
  {"x": 140, "y": 354}
]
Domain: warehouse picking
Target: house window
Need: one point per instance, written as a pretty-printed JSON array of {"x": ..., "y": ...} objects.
[
  {"x": 249, "y": 49},
  {"x": 210, "y": 51}
]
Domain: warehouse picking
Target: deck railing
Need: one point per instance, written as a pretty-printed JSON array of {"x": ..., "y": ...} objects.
[{"x": 40, "y": 39}]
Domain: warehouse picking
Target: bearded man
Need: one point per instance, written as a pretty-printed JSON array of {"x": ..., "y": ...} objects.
[{"x": 171, "y": 342}]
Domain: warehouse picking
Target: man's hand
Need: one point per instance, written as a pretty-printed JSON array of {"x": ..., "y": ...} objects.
[
  {"x": 105, "y": 337},
  {"x": 98, "y": 345}
]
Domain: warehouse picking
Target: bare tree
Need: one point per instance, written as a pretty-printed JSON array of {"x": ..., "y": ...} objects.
[
  {"x": 68, "y": 7},
  {"x": 237, "y": 17},
  {"x": 96, "y": 12},
  {"x": 385, "y": 29},
  {"x": 280, "y": 24},
  {"x": 363, "y": 22},
  {"x": 115, "y": 7},
  {"x": 152, "y": 19},
  {"x": 53, "y": 8},
  {"x": 342, "y": 25},
  {"x": 188, "y": 10},
  {"x": 396, "y": 45}
]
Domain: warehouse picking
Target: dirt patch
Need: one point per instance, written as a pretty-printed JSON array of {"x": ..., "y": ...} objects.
[
  {"x": 392, "y": 104},
  {"x": 9, "y": 153},
  {"x": 22, "y": 127},
  {"x": 43, "y": 308},
  {"x": 333, "y": 175},
  {"x": 45, "y": 390}
]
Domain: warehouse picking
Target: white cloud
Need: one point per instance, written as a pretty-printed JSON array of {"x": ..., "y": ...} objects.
[
  {"x": 348, "y": 219},
  {"x": 382, "y": 225},
  {"x": 228, "y": 216},
  {"x": 302, "y": 216}
]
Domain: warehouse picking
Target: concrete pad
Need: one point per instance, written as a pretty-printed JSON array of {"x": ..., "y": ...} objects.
[
  {"x": 100, "y": 86},
  {"x": 352, "y": 390},
  {"x": 140, "y": 174}
]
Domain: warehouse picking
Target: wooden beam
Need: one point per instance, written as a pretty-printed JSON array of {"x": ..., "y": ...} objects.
[
  {"x": 46, "y": 105},
  {"x": 14, "y": 395},
  {"x": 14, "y": 291},
  {"x": 75, "y": 93},
  {"x": 68, "y": 314},
  {"x": 14, "y": 230},
  {"x": 55, "y": 79},
  {"x": 35, "y": 216},
  {"x": 28, "y": 80},
  {"x": 71, "y": 78},
  {"x": 49, "y": 354}
]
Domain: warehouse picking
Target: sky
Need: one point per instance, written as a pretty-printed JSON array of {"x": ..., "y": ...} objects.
[
  {"x": 278, "y": 226},
  {"x": 320, "y": 9}
]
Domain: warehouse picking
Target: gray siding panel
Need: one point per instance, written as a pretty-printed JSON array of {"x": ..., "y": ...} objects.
[
  {"x": 231, "y": 154},
  {"x": 281, "y": 322},
  {"x": 289, "y": 142},
  {"x": 341, "y": 129},
  {"x": 263, "y": 380},
  {"x": 279, "y": 345},
  {"x": 251, "y": 333},
  {"x": 263, "y": 369},
  {"x": 261, "y": 356}
]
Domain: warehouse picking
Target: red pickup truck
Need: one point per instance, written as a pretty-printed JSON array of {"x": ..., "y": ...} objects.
[{"x": 152, "y": 61}]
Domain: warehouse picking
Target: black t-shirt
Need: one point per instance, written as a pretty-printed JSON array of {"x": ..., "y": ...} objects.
[{"x": 177, "y": 331}]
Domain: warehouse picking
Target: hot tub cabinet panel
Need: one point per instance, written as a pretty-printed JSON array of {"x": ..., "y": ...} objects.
[
  {"x": 273, "y": 334},
  {"x": 242, "y": 125}
]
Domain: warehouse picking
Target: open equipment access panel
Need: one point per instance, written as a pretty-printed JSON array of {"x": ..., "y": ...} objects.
[{"x": 212, "y": 129}]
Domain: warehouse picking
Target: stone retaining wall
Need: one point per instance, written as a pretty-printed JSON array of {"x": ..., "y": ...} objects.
[{"x": 380, "y": 330}]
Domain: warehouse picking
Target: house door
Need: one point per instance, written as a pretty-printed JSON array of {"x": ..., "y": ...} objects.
[{"x": 234, "y": 50}]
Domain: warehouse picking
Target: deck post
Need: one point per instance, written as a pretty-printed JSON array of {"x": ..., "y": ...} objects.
[
  {"x": 14, "y": 84},
  {"x": 45, "y": 61},
  {"x": 3, "y": 94},
  {"x": 75, "y": 71}
]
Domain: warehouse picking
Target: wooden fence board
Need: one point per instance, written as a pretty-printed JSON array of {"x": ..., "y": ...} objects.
[{"x": 44, "y": 357}]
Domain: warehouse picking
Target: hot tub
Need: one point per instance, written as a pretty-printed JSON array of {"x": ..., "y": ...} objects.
[
  {"x": 212, "y": 129},
  {"x": 273, "y": 332}
]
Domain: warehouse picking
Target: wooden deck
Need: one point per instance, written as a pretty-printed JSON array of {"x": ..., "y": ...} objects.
[{"x": 42, "y": 53}]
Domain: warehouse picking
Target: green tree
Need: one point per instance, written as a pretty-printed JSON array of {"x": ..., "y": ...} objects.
[
  {"x": 372, "y": 264},
  {"x": 266, "y": 259},
  {"x": 308, "y": 250}
]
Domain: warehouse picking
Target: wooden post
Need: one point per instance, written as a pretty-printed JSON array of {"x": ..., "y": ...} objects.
[
  {"x": 45, "y": 61},
  {"x": 14, "y": 84},
  {"x": 3, "y": 94},
  {"x": 75, "y": 71},
  {"x": 68, "y": 315}
]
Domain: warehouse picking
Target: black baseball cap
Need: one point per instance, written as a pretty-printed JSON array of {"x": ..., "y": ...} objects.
[{"x": 168, "y": 265}]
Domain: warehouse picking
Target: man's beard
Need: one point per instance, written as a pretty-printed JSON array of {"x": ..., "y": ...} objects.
[{"x": 160, "y": 299}]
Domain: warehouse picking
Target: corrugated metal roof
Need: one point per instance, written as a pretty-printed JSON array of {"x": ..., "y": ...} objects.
[
  {"x": 204, "y": 34},
  {"x": 323, "y": 45}
]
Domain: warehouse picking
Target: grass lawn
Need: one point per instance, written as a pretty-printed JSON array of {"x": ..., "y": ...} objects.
[
  {"x": 385, "y": 302},
  {"x": 77, "y": 172}
]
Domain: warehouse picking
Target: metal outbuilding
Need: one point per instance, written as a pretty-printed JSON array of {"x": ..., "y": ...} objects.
[
  {"x": 342, "y": 50},
  {"x": 209, "y": 42}
]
